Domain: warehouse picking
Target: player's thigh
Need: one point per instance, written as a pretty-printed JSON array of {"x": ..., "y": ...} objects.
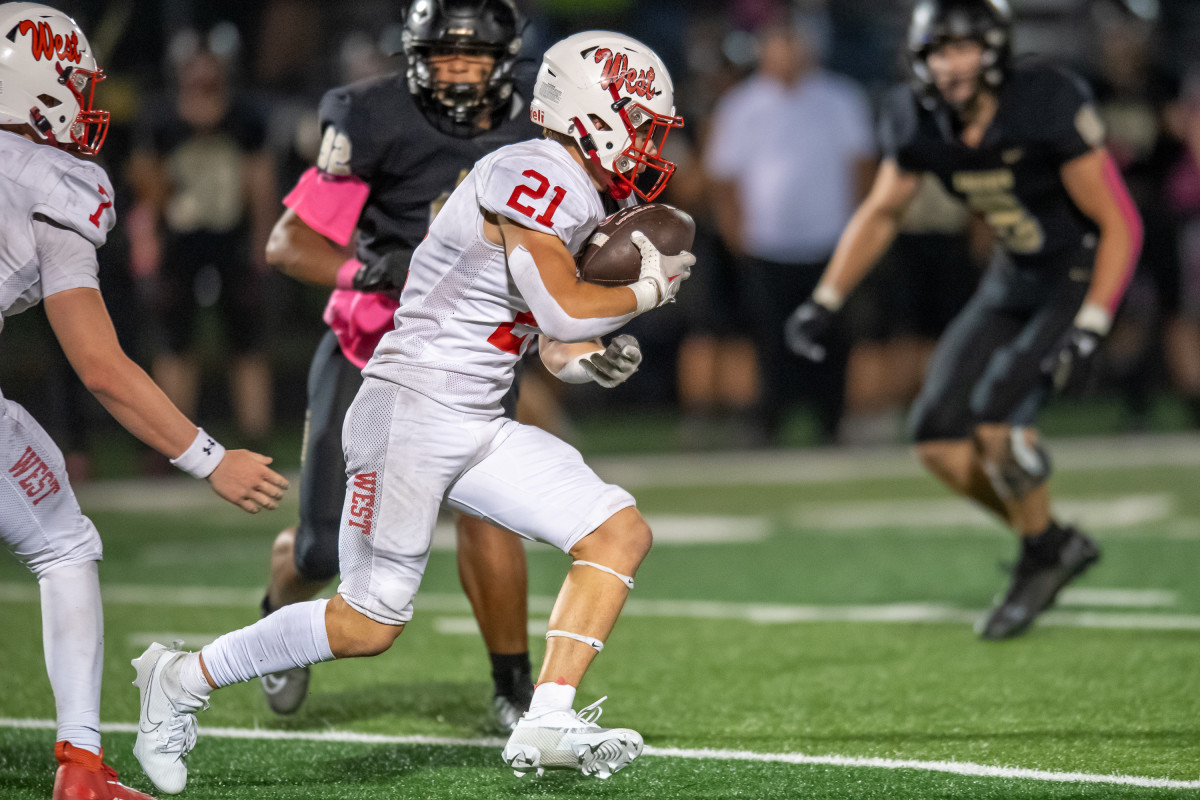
[
  {"x": 402, "y": 452},
  {"x": 538, "y": 486},
  {"x": 943, "y": 409},
  {"x": 1014, "y": 387},
  {"x": 333, "y": 383},
  {"x": 40, "y": 520}
]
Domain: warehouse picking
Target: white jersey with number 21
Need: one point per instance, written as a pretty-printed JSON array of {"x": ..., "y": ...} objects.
[{"x": 462, "y": 325}]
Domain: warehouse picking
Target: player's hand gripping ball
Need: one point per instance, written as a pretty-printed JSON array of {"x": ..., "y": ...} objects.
[{"x": 612, "y": 259}]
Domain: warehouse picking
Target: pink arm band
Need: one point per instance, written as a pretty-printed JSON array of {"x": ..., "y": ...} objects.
[
  {"x": 327, "y": 204},
  {"x": 346, "y": 273},
  {"x": 1129, "y": 212}
]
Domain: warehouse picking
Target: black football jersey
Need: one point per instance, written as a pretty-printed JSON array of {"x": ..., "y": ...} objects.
[
  {"x": 374, "y": 130},
  {"x": 1044, "y": 118}
]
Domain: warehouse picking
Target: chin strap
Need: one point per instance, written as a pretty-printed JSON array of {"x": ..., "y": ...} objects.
[{"x": 619, "y": 190}]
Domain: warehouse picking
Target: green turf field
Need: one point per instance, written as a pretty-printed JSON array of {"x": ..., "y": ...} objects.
[{"x": 808, "y": 615}]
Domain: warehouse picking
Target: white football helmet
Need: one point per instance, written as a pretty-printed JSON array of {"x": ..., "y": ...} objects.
[
  {"x": 613, "y": 95},
  {"x": 48, "y": 77}
]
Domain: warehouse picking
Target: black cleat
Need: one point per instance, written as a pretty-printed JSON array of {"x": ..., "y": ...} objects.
[{"x": 1035, "y": 585}]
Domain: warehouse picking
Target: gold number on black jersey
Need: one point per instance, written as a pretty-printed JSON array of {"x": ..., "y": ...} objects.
[{"x": 990, "y": 193}]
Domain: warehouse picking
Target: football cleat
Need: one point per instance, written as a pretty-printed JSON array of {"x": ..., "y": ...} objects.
[
  {"x": 506, "y": 713},
  {"x": 167, "y": 722},
  {"x": 1036, "y": 584},
  {"x": 83, "y": 775},
  {"x": 286, "y": 690},
  {"x": 570, "y": 740}
]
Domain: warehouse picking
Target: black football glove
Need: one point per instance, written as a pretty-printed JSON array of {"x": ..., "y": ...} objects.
[
  {"x": 807, "y": 329},
  {"x": 384, "y": 274},
  {"x": 1071, "y": 368}
]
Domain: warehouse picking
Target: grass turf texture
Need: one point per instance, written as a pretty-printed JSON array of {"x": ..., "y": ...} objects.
[{"x": 1061, "y": 699}]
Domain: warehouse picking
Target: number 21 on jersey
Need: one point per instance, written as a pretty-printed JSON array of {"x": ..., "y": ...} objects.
[{"x": 536, "y": 192}]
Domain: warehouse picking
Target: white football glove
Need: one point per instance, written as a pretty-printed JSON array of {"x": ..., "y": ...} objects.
[
  {"x": 613, "y": 365},
  {"x": 661, "y": 275}
]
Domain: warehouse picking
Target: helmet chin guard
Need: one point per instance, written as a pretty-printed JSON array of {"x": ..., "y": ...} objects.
[
  {"x": 49, "y": 75},
  {"x": 613, "y": 95}
]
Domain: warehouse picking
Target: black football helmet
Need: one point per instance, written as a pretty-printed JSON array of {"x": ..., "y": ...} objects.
[
  {"x": 470, "y": 27},
  {"x": 934, "y": 22}
]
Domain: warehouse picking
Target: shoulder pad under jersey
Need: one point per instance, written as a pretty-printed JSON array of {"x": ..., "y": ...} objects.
[{"x": 77, "y": 195}]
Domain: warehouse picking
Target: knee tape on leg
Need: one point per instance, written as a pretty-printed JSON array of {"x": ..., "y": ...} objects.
[
  {"x": 1024, "y": 467},
  {"x": 594, "y": 643},
  {"x": 628, "y": 581}
]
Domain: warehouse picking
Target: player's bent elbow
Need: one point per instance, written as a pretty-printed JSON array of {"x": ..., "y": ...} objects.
[{"x": 280, "y": 251}]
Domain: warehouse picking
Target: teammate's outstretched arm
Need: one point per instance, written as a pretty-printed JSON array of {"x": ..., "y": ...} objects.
[
  {"x": 1095, "y": 186},
  {"x": 867, "y": 237},
  {"x": 85, "y": 332}
]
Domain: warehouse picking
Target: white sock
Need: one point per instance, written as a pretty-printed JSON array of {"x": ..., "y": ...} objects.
[
  {"x": 191, "y": 677},
  {"x": 293, "y": 636},
  {"x": 73, "y": 641},
  {"x": 551, "y": 697}
]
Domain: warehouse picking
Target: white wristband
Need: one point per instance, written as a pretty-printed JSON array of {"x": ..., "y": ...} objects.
[
  {"x": 1094, "y": 318},
  {"x": 646, "y": 291},
  {"x": 828, "y": 297},
  {"x": 201, "y": 457}
]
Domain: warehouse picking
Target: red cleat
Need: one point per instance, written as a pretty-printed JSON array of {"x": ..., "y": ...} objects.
[{"x": 82, "y": 775}]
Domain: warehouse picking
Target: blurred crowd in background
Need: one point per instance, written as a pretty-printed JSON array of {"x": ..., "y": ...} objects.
[{"x": 214, "y": 118}]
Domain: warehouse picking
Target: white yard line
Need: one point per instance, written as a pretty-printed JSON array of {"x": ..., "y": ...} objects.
[
  {"x": 953, "y": 515},
  {"x": 698, "y": 754},
  {"x": 762, "y": 613},
  {"x": 809, "y": 466}
]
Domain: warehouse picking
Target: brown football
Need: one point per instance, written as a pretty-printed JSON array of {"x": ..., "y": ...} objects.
[{"x": 611, "y": 259}]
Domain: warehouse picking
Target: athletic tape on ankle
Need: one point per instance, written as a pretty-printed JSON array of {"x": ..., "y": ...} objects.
[
  {"x": 202, "y": 456},
  {"x": 628, "y": 581},
  {"x": 595, "y": 644}
]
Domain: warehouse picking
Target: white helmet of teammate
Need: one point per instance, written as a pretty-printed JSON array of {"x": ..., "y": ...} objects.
[
  {"x": 612, "y": 94},
  {"x": 48, "y": 76}
]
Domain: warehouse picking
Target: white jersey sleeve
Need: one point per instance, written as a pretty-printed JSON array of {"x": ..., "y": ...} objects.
[
  {"x": 82, "y": 200},
  {"x": 541, "y": 188},
  {"x": 66, "y": 260}
]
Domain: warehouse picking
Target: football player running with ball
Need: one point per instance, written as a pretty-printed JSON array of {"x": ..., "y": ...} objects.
[
  {"x": 56, "y": 208},
  {"x": 427, "y": 426},
  {"x": 1021, "y": 144},
  {"x": 394, "y": 149}
]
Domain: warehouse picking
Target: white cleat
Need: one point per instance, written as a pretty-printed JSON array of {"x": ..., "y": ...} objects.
[
  {"x": 167, "y": 723},
  {"x": 570, "y": 740}
]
